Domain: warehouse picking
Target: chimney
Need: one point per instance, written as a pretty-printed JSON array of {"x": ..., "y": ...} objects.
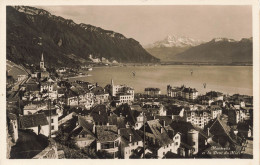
[
  {"x": 161, "y": 129},
  {"x": 172, "y": 117},
  {"x": 107, "y": 123},
  {"x": 118, "y": 131},
  {"x": 130, "y": 138},
  {"x": 120, "y": 114},
  {"x": 99, "y": 112},
  {"x": 127, "y": 125},
  {"x": 164, "y": 123},
  {"x": 208, "y": 132},
  {"x": 94, "y": 129}
]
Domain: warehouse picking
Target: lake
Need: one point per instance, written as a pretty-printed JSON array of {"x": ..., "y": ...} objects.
[{"x": 226, "y": 79}]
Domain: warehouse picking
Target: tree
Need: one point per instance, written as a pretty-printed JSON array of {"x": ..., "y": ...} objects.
[
  {"x": 135, "y": 155},
  {"x": 102, "y": 154}
]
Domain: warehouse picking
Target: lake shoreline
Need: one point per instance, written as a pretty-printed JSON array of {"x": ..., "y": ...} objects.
[{"x": 225, "y": 79}]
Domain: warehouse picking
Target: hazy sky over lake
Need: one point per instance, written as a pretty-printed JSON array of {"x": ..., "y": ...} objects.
[{"x": 148, "y": 24}]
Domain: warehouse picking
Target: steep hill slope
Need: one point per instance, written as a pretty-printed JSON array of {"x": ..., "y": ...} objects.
[
  {"x": 219, "y": 51},
  {"x": 31, "y": 31}
]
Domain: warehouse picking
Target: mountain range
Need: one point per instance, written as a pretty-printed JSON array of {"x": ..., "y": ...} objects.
[
  {"x": 32, "y": 31},
  {"x": 218, "y": 50},
  {"x": 175, "y": 41}
]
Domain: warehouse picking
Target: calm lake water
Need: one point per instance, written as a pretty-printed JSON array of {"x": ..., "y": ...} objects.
[{"x": 226, "y": 79}]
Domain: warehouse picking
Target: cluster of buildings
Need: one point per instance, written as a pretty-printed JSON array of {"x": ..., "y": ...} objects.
[
  {"x": 182, "y": 92},
  {"x": 111, "y": 120}
]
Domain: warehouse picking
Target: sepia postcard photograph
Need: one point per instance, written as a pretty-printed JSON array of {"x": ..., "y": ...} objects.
[{"x": 130, "y": 81}]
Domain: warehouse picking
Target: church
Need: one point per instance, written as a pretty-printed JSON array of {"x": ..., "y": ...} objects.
[{"x": 43, "y": 73}]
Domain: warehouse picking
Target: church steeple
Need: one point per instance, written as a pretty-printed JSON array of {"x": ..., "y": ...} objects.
[
  {"x": 112, "y": 82},
  {"x": 42, "y": 59},
  {"x": 42, "y": 67}
]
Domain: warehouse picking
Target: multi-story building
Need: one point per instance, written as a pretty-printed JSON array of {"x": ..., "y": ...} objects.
[
  {"x": 155, "y": 108},
  {"x": 38, "y": 123},
  {"x": 130, "y": 141},
  {"x": 117, "y": 89},
  {"x": 236, "y": 115},
  {"x": 108, "y": 139},
  {"x": 52, "y": 118},
  {"x": 123, "y": 98},
  {"x": 216, "y": 111},
  {"x": 197, "y": 117},
  {"x": 182, "y": 92},
  {"x": 152, "y": 91},
  {"x": 158, "y": 139}
]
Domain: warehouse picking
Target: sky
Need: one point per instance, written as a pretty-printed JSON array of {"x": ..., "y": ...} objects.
[{"x": 148, "y": 24}]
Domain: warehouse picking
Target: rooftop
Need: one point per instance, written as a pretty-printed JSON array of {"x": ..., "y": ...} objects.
[
  {"x": 152, "y": 89},
  {"x": 107, "y": 133},
  {"x": 155, "y": 128},
  {"x": 34, "y": 120}
]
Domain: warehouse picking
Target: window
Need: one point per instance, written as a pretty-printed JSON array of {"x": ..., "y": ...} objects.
[
  {"x": 52, "y": 127},
  {"x": 116, "y": 143},
  {"x": 51, "y": 120},
  {"x": 163, "y": 153},
  {"x": 107, "y": 145},
  {"x": 176, "y": 143}
]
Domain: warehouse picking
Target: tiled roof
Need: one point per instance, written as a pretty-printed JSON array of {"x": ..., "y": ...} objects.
[
  {"x": 155, "y": 127},
  {"x": 217, "y": 127},
  {"x": 118, "y": 121},
  {"x": 99, "y": 114},
  {"x": 189, "y": 90},
  {"x": 71, "y": 93},
  {"x": 130, "y": 116},
  {"x": 163, "y": 119},
  {"x": 126, "y": 132},
  {"x": 87, "y": 127},
  {"x": 173, "y": 110},
  {"x": 181, "y": 126},
  {"x": 33, "y": 120},
  {"x": 152, "y": 89},
  {"x": 106, "y": 133},
  {"x": 98, "y": 90}
]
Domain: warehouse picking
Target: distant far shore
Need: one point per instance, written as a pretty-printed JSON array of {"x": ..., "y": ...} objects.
[{"x": 174, "y": 63}]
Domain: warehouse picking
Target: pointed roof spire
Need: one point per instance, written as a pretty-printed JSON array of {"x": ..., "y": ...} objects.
[
  {"x": 42, "y": 58},
  {"x": 112, "y": 82}
]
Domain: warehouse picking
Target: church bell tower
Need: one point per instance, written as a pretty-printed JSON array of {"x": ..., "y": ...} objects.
[{"x": 42, "y": 63}]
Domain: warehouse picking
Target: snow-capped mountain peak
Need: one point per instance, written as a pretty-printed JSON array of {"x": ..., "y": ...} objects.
[{"x": 176, "y": 41}]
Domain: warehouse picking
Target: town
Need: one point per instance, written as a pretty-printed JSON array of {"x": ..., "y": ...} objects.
[{"x": 50, "y": 116}]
